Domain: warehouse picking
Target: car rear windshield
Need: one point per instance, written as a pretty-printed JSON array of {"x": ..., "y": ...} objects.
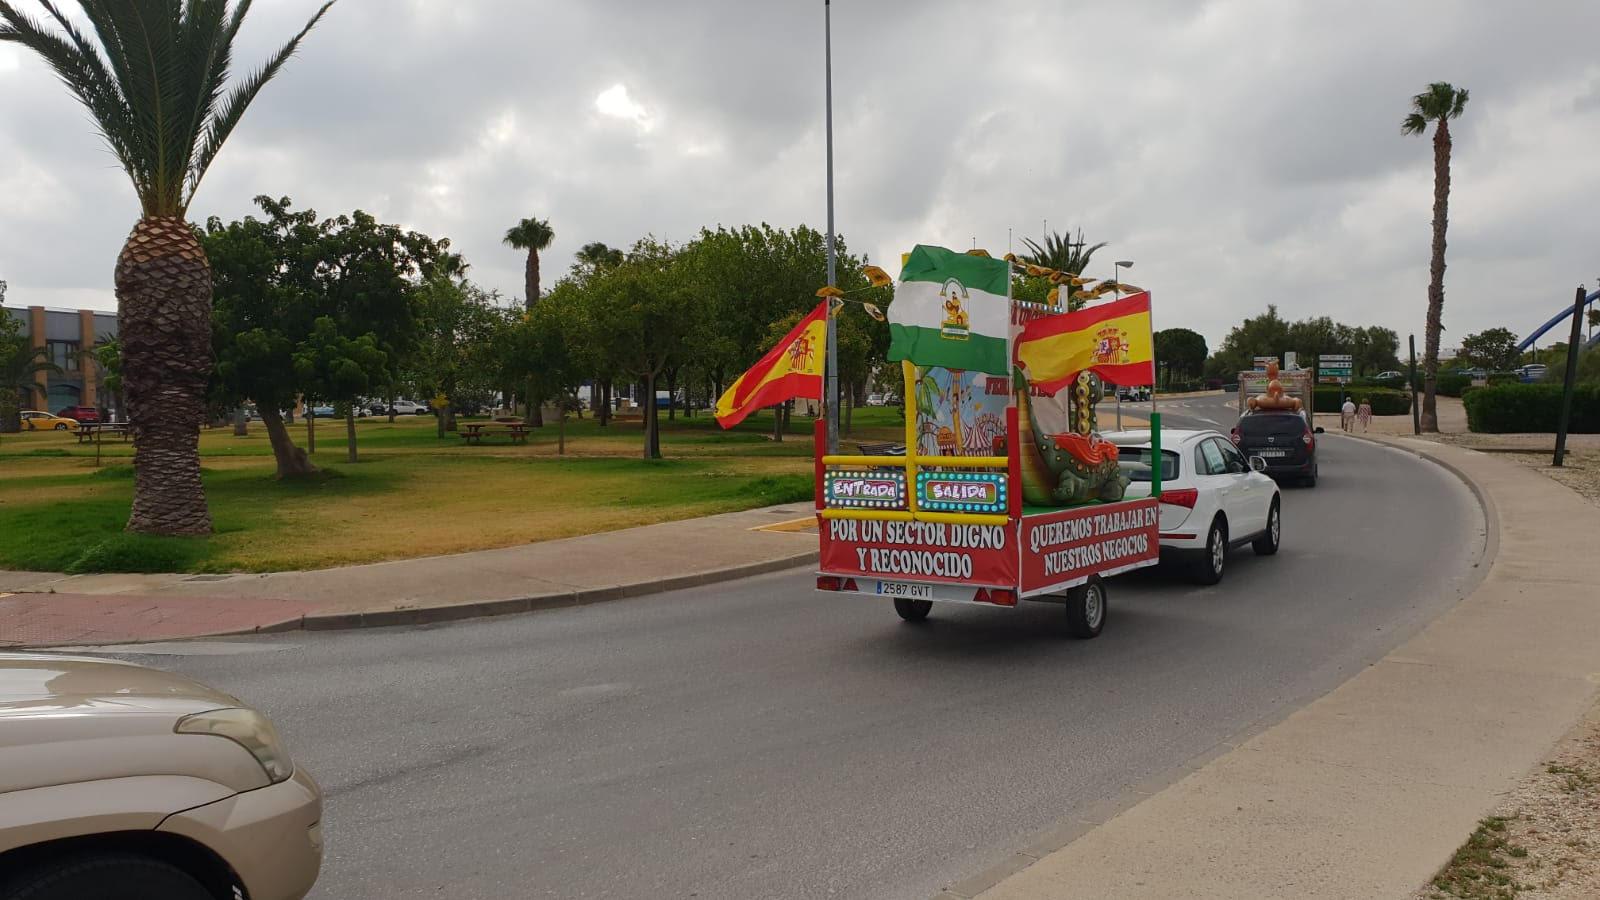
[
  {"x": 1277, "y": 426},
  {"x": 1135, "y": 463}
]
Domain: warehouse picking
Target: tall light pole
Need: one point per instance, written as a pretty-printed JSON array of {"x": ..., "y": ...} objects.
[
  {"x": 830, "y": 393},
  {"x": 1116, "y": 282}
]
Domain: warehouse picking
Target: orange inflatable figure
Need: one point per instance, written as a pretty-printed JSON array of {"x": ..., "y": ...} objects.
[{"x": 1274, "y": 397}]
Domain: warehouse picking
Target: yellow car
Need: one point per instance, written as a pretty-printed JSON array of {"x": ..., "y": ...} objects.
[{"x": 34, "y": 420}]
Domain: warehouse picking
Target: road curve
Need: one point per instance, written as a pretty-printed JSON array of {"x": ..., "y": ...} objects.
[{"x": 757, "y": 739}]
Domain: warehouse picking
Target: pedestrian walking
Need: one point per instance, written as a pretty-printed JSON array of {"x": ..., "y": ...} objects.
[
  {"x": 1364, "y": 413},
  {"x": 1347, "y": 414}
]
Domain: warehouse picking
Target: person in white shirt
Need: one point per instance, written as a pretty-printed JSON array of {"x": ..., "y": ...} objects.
[{"x": 1347, "y": 414}]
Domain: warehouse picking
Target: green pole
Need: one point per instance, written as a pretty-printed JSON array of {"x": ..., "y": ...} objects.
[{"x": 1155, "y": 455}]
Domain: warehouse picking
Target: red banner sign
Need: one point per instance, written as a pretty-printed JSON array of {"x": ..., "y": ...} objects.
[
  {"x": 979, "y": 555},
  {"x": 1062, "y": 549}
]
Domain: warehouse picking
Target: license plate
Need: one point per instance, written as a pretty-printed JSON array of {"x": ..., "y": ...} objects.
[
  {"x": 909, "y": 591},
  {"x": 1272, "y": 453}
]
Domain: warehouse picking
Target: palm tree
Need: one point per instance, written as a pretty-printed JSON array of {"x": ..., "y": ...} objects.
[
  {"x": 20, "y": 361},
  {"x": 531, "y": 235},
  {"x": 153, "y": 75},
  {"x": 1438, "y": 104},
  {"x": 1061, "y": 252},
  {"x": 597, "y": 255}
]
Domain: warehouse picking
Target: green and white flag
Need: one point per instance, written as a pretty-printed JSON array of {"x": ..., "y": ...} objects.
[{"x": 951, "y": 310}]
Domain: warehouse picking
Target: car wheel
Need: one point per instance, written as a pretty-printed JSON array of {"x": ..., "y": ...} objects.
[
  {"x": 1267, "y": 543},
  {"x": 1086, "y": 609},
  {"x": 114, "y": 876},
  {"x": 1209, "y": 567},
  {"x": 61, "y": 426},
  {"x": 1311, "y": 480},
  {"x": 912, "y": 610}
]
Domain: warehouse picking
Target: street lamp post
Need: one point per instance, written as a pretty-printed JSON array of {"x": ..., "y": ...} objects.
[
  {"x": 830, "y": 392},
  {"x": 1116, "y": 287}
]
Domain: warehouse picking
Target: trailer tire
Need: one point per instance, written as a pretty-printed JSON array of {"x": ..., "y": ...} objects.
[
  {"x": 912, "y": 610},
  {"x": 1086, "y": 609}
]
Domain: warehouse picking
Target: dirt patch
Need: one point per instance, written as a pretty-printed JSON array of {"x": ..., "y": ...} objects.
[{"x": 1543, "y": 842}]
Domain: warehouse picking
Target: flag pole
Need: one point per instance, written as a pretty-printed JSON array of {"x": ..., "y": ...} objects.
[{"x": 830, "y": 390}]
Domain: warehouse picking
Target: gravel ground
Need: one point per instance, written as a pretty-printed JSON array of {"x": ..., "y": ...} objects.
[{"x": 1543, "y": 842}]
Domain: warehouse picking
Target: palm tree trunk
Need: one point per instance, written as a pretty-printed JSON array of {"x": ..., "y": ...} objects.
[
  {"x": 241, "y": 422},
  {"x": 163, "y": 284},
  {"x": 311, "y": 430},
  {"x": 292, "y": 461},
  {"x": 651, "y": 451},
  {"x": 350, "y": 431},
  {"x": 1435, "y": 324},
  {"x": 530, "y": 278}
]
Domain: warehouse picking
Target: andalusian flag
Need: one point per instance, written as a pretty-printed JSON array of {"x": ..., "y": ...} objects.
[
  {"x": 791, "y": 369},
  {"x": 1112, "y": 340},
  {"x": 952, "y": 310}
]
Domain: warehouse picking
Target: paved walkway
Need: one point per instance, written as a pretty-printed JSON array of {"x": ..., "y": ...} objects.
[
  {"x": 1367, "y": 791},
  {"x": 43, "y": 609}
]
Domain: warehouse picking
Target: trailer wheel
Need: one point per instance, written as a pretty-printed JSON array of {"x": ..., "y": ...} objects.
[
  {"x": 912, "y": 610},
  {"x": 1086, "y": 609}
]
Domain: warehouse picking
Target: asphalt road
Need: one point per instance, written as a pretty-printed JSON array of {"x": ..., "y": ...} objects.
[{"x": 758, "y": 739}]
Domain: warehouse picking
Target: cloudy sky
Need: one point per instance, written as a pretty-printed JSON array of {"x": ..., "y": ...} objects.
[{"x": 1241, "y": 152}]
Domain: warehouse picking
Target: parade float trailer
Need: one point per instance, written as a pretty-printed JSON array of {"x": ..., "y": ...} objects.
[{"x": 1005, "y": 491}]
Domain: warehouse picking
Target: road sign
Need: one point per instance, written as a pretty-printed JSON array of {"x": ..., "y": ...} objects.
[
  {"x": 1334, "y": 368},
  {"x": 1261, "y": 362}
]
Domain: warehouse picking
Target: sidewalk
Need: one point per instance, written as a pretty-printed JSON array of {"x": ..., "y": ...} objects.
[
  {"x": 1367, "y": 791},
  {"x": 43, "y": 609}
]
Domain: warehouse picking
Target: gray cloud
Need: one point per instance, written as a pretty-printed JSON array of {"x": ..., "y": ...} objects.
[{"x": 1240, "y": 151}]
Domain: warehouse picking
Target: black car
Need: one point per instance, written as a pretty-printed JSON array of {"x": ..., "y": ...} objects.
[{"x": 1285, "y": 440}]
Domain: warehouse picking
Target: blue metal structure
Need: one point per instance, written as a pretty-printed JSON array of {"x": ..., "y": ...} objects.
[{"x": 1557, "y": 320}]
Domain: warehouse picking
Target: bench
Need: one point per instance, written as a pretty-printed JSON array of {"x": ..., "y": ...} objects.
[
  {"x": 881, "y": 448},
  {"x": 88, "y": 432},
  {"x": 475, "y": 432}
]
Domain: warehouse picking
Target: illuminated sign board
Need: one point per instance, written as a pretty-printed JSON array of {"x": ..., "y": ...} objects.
[{"x": 969, "y": 492}]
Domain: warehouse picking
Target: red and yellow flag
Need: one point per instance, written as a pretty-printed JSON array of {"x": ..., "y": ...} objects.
[
  {"x": 791, "y": 369},
  {"x": 1113, "y": 340}
]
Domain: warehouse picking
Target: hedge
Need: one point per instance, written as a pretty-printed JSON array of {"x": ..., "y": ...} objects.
[
  {"x": 1385, "y": 401},
  {"x": 1512, "y": 408}
]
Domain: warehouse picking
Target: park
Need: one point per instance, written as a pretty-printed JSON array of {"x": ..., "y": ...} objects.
[{"x": 487, "y": 449}]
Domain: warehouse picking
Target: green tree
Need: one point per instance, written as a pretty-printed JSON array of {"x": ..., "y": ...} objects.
[
  {"x": 1182, "y": 352},
  {"x": 548, "y": 349},
  {"x": 330, "y": 366},
  {"x": 1061, "y": 252},
  {"x": 1263, "y": 335},
  {"x": 458, "y": 330},
  {"x": 1494, "y": 349},
  {"x": 532, "y": 235},
  {"x": 20, "y": 362},
  {"x": 153, "y": 75},
  {"x": 596, "y": 255},
  {"x": 1439, "y": 104}
]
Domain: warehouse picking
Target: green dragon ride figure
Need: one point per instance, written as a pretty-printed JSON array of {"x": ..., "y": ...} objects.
[{"x": 1069, "y": 468}]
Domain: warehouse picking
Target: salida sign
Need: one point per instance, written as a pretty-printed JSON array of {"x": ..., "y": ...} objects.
[{"x": 982, "y": 555}]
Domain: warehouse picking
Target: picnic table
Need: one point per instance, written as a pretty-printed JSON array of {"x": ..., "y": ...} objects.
[
  {"x": 474, "y": 432},
  {"x": 89, "y": 432}
]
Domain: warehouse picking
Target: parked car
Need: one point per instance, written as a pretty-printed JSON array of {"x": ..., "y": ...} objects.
[
  {"x": 874, "y": 399},
  {"x": 1390, "y": 375},
  {"x": 36, "y": 420},
  {"x": 403, "y": 408},
  {"x": 121, "y": 782},
  {"x": 81, "y": 414},
  {"x": 1285, "y": 440},
  {"x": 1132, "y": 394},
  {"x": 1532, "y": 373},
  {"x": 320, "y": 411},
  {"x": 1212, "y": 498}
]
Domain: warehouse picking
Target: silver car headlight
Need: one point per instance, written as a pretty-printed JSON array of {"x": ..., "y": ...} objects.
[{"x": 250, "y": 730}]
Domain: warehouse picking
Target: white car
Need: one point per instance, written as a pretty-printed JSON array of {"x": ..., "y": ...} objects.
[
  {"x": 1212, "y": 498},
  {"x": 409, "y": 408}
]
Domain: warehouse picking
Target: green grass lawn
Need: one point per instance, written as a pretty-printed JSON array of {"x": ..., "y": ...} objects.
[{"x": 412, "y": 493}]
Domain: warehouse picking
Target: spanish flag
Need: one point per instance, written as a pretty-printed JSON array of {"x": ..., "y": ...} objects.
[
  {"x": 791, "y": 369},
  {"x": 1113, "y": 340}
]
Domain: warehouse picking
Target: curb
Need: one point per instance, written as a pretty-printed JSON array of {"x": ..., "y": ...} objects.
[
  {"x": 430, "y": 615},
  {"x": 1067, "y": 831}
]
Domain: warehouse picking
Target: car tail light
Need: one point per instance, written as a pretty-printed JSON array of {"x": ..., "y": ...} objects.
[
  {"x": 1308, "y": 440},
  {"x": 997, "y": 596},
  {"x": 828, "y": 582},
  {"x": 1185, "y": 497},
  {"x": 1235, "y": 435}
]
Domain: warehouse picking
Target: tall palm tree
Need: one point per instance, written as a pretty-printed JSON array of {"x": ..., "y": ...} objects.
[
  {"x": 1438, "y": 104},
  {"x": 597, "y": 255},
  {"x": 1061, "y": 252},
  {"x": 153, "y": 75},
  {"x": 532, "y": 235}
]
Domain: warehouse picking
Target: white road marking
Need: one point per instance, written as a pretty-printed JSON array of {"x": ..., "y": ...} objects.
[{"x": 179, "y": 648}]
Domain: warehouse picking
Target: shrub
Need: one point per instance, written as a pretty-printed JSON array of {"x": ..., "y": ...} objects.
[
  {"x": 140, "y": 553},
  {"x": 1385, "y": 401},
  {"x": 1510, "y": 408}
]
